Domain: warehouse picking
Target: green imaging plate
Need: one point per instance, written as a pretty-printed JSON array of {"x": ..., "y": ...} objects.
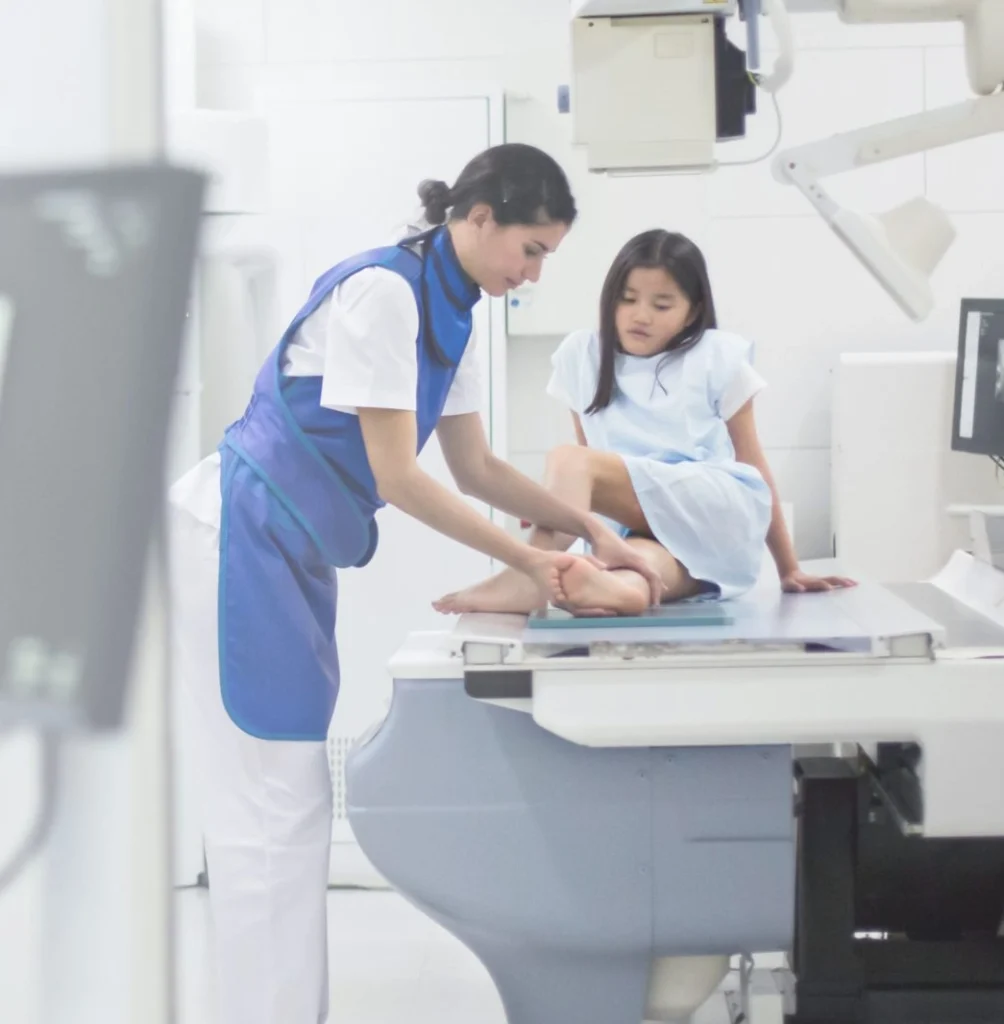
[{"x": 669, "y": 615}]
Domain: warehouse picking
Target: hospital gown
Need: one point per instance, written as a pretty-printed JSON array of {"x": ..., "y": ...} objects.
[{"x": 667, "y": 420}]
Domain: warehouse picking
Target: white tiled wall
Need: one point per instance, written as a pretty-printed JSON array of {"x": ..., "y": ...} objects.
[{"x": 779, "y": 275}]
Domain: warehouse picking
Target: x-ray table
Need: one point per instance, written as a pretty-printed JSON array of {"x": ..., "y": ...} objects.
[{"x": 586, "y": 806}]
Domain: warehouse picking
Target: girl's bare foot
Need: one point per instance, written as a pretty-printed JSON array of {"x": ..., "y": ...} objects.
[
  {"x": 590, "y": 589},
  {"x": 508, "y": 591}
]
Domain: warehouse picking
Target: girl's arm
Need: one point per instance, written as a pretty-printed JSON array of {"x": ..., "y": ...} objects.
[
  {"x": 579, "y": 435},
  {"x": 746, "y": 441}
]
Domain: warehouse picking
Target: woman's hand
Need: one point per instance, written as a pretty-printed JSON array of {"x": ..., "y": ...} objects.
[
  {"x": 614, "y": 552},
  {"x": 798, "y": 582}
]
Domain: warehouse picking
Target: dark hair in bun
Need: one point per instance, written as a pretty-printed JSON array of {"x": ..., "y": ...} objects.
[
  {"x": 436, "y": 199},
  {"x": 521, "y": 184}
]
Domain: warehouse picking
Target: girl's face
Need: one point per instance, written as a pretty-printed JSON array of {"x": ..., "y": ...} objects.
[{"x": 652, "y": 311}]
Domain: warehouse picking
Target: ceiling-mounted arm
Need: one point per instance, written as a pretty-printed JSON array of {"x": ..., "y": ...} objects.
[
  {"x": 784, "y": 65},
  {"x": 904, "y": 136},
  {"x": 903, "y": 247},
  {"x": 982, "y": 21}
]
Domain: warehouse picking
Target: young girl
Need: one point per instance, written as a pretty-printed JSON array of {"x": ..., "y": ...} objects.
[{"x": 662, "y": 402}]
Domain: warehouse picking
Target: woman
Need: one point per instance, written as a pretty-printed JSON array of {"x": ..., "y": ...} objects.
[
  {"x": 662, "y": 403},
  {"x": 376, "y": 360}
]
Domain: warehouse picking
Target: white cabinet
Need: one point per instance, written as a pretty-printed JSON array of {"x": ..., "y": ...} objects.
[{"x": 894, "y": 473}]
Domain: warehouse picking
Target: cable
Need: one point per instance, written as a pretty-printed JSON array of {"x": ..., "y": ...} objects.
[
  {"x": 739, "y": 1003},
  {"x": 745, "y": 976},
  {"x": 755, "y": 78},
  {"x": 36, "y": 838}
]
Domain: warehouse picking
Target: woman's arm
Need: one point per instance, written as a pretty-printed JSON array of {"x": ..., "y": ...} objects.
[
  {"x": 746, "y": 441},
  {"x": 390, "y": 436}
]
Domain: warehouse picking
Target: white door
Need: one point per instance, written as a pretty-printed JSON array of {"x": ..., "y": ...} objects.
[{"x": 392, "y": 596}]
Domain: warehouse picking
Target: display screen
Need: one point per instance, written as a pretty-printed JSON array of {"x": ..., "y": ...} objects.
[
  {"x": 95, "y": 271},
  {"x": 979, "y": 390}
]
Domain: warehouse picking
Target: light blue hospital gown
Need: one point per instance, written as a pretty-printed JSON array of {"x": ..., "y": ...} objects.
[{"x": 709, "y": 511}]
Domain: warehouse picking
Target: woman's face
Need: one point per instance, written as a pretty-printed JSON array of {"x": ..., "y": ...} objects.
[
  {"x": 501, "y": 258},
  {"x": 652, "y": 310}
]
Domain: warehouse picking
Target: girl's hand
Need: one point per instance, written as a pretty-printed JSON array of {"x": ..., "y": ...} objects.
[{"x": 798, "y": 582}]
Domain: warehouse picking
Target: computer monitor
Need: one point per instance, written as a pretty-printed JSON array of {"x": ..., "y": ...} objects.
[
  {"x": 95, "y": 273},
  {"x": 978, "y": 421}
]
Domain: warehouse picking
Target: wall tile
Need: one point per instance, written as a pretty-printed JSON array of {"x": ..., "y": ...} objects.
[
  {"x": 967, "y": 176},
  {"x": 834, "y": 91}
]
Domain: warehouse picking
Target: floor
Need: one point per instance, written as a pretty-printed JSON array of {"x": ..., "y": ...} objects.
[{"x": 388, "y": 963}]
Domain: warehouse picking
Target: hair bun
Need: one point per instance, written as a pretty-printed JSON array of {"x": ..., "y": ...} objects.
[{"x": 436, "y": 197}]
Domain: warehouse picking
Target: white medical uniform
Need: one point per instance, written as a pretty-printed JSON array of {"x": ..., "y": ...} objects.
[
  {"x": 667, "y": 420},
  {"x": 267, "y": 805}
]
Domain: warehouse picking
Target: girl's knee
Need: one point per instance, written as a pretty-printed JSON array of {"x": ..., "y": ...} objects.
[{"x": 567, "y": 457}]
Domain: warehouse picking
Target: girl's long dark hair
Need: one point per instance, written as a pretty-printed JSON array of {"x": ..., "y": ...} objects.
[{"x": 684, "y": 262}]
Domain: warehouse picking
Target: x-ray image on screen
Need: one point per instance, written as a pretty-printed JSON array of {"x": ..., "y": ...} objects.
[
  {"x": 979, "y": 380},
  {"x": 999, "y": 390}
]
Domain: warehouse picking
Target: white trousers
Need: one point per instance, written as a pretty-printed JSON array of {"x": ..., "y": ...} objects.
[{"x": 266, "y": 809}]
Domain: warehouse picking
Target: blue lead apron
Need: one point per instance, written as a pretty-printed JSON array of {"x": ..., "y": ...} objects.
[{"x": 299, "y": 500}]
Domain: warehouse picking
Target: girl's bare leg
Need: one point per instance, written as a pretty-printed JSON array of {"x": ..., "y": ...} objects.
[
  {"x": 587, "y": 479},
  {"x": 593, "y": 591}
]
